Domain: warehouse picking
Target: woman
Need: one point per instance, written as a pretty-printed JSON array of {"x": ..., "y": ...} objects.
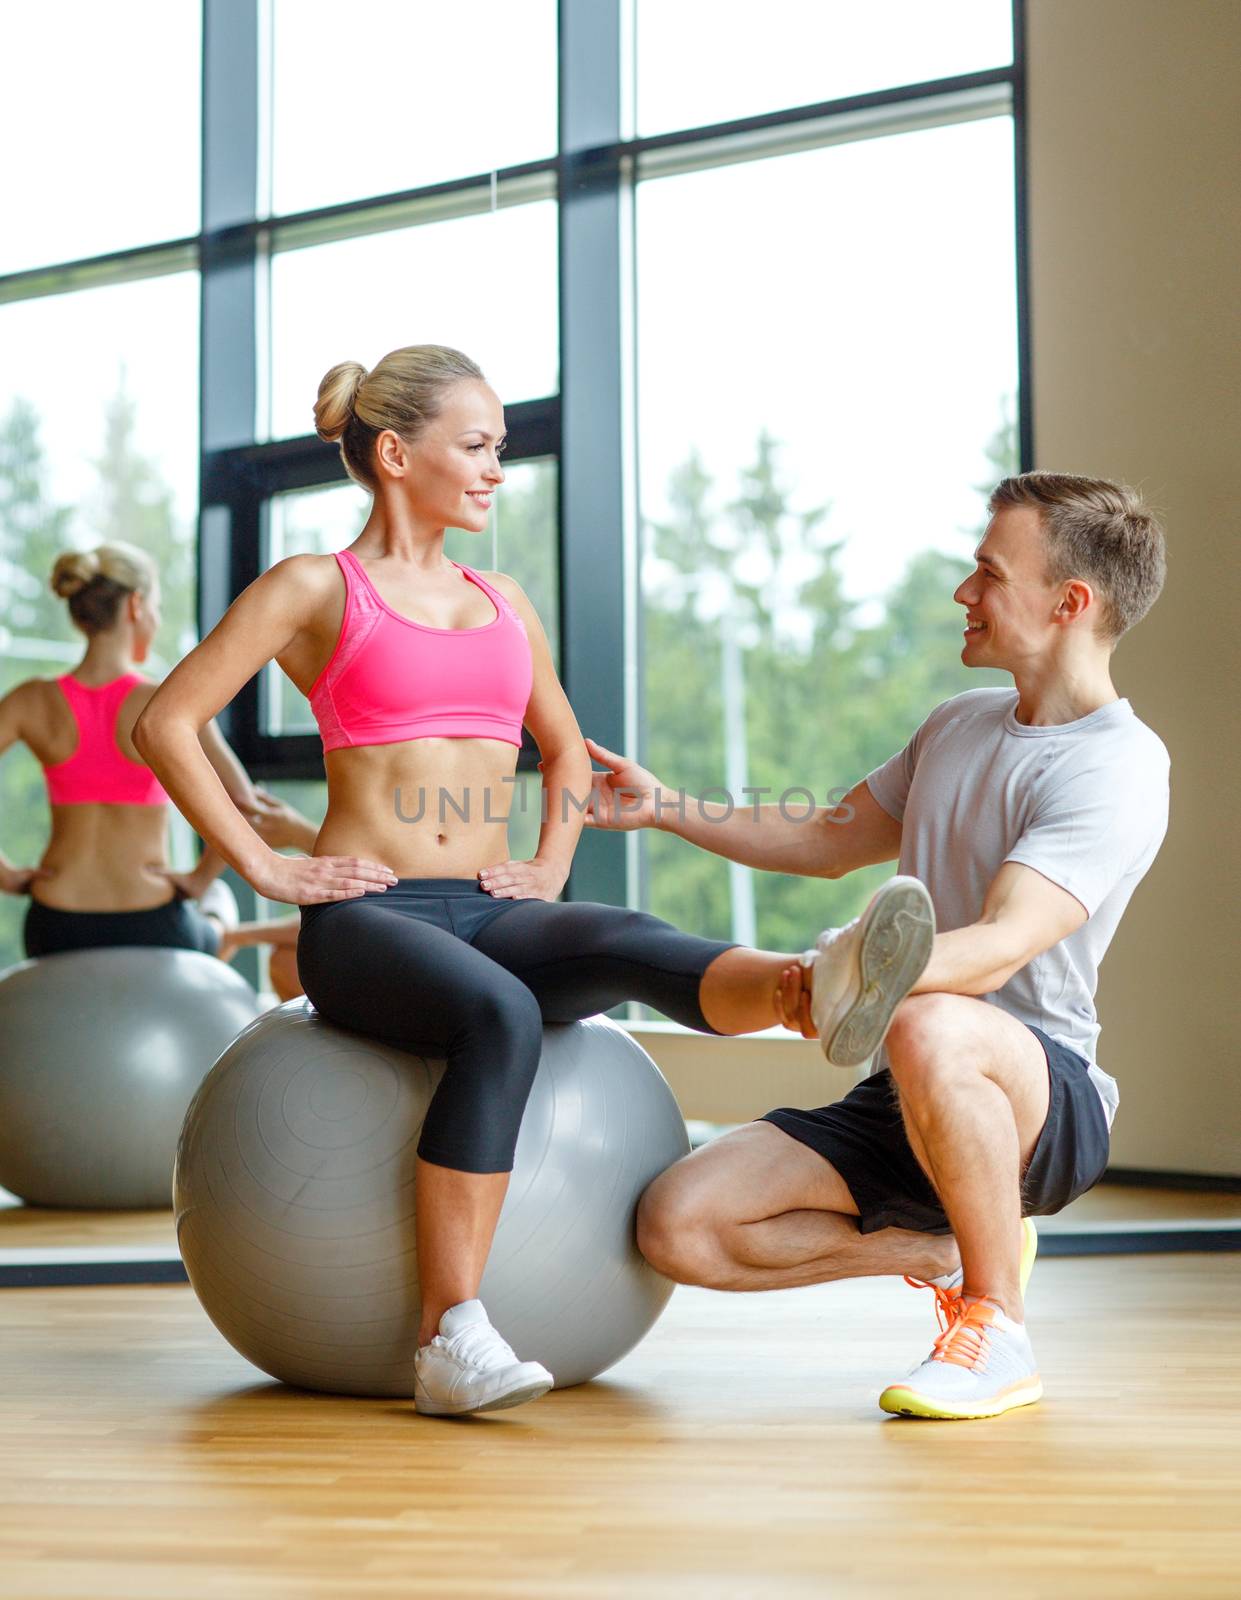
[
  {"x": 416, "y": 927},
  {"x": 104, "y": 877}
]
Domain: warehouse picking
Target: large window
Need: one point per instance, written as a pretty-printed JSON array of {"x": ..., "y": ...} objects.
[
  {"x": 826, "y": 395},
  {"x": 746, "y": 279}
]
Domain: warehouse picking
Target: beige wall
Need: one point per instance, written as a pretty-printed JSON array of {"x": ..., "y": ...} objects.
[
  {"x": 1135, "y": 239},
  {"x": 737, "y": 1079}
]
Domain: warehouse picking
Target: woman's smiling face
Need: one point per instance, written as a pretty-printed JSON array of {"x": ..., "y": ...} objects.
[{"x": 453, "y": 466}]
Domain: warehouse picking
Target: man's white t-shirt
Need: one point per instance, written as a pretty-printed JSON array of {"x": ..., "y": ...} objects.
[{"x": 1084, "y": 803}]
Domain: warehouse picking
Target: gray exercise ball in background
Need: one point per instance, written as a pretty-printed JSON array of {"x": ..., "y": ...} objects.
[
  {"x": 294, "y": 1196},
  {"x": 100, "y": 1054}
]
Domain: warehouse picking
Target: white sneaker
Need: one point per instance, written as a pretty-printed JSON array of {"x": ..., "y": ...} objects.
[
  {"x": 863, "y": 971},
  {"x": 982, "y": 1364},
  {"x": 468, "y": 1367}
]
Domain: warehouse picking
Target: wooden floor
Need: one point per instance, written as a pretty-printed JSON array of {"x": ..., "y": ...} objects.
[{"x": 736, "y": 1453}]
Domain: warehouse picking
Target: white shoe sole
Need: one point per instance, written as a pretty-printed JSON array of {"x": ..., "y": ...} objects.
[
  {"x": 894, "y": 946},
  {"x": 500, "y": 1402}
]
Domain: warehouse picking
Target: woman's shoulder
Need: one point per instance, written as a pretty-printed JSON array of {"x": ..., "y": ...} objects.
[
  {"x": 508, "y": 587},
  {"x": 29, "y": 694},
  {"x": 304, "y": 567},
  {"x": 312, "y": 575}
]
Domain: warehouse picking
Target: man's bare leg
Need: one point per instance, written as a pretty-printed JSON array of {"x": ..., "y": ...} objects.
[
  {"x": 756, "y": 1209},
  {"x": 974, "y": 1092}
]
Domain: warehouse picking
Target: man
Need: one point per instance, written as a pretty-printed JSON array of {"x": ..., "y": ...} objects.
[{"x": 1029, "y": 815}]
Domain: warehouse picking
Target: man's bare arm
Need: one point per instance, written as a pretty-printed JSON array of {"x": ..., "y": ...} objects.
[
  {"x": 1023, "y": 914},
  {"x": 826, "y": 843}
]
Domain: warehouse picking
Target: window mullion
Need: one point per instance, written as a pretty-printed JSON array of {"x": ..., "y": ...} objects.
[{"x": 593, "y": 597}]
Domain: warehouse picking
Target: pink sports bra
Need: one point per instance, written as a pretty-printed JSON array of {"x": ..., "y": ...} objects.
[
  {"x": 98, "y": 772},
  {"x": 390, "y": 679}
]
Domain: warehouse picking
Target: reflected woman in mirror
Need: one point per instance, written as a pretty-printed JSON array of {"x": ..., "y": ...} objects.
[{"x": 104, "y": 877}]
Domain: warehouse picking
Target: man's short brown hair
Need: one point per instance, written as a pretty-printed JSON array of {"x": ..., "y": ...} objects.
[{"x": 1100, "y": 532}]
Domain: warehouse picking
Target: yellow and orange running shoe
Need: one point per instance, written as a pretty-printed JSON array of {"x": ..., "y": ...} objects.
[{"x": 982, "y": 1364}]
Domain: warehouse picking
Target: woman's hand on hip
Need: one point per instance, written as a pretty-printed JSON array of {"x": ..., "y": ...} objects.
[
  {"x": 523, "y": 880},
  {"x": 17, "y": 880},
  {"x": 189, "y": 884},
  {"x": 306, "y": 880}
]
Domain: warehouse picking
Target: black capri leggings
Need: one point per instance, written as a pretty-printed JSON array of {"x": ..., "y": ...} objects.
[
  {"x": 178, "y": 923},
  {"x": 439, "y": 967}
]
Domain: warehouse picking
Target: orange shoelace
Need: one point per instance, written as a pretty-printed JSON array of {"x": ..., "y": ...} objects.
[
  {"x": 964, "y": 1342},
  {"x": 946, "y": 1308}
]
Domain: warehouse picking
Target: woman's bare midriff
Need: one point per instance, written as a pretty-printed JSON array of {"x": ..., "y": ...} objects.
[
  {"x": 102, "y": 856},
  {"x": 426, "y": 808}
]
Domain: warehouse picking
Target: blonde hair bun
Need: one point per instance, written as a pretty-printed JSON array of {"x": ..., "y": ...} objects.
[
  {"x": 94, "y": 582},
  {"x": 338, "y": 394},
  {"x": 73, "y": 571}
]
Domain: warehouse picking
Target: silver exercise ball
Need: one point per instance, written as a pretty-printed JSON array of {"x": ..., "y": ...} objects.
[
  {"x": 100, "y": 1054},
  {"x": 294, "y": 1194}
]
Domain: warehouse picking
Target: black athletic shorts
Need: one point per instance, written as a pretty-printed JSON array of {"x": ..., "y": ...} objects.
[
  {"x": 863, "y": 1137},
  {"x": 177, "y": 923}
]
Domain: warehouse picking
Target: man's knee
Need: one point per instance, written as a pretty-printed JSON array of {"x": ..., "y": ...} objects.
[
  {"x": 927, "y": 1043},
  {"x": 940, "y": 1041},
  {"x": 678, "y": 1228}
]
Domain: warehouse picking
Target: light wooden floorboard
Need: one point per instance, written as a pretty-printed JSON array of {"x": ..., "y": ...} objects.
[{"x": 736, "y": 1453}]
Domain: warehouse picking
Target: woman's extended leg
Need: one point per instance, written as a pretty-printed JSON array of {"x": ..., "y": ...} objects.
[
  {"x": 581, "y": 957},
  {"x": 282, "y": 973},
  {"x": 280, "y": 932}
]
